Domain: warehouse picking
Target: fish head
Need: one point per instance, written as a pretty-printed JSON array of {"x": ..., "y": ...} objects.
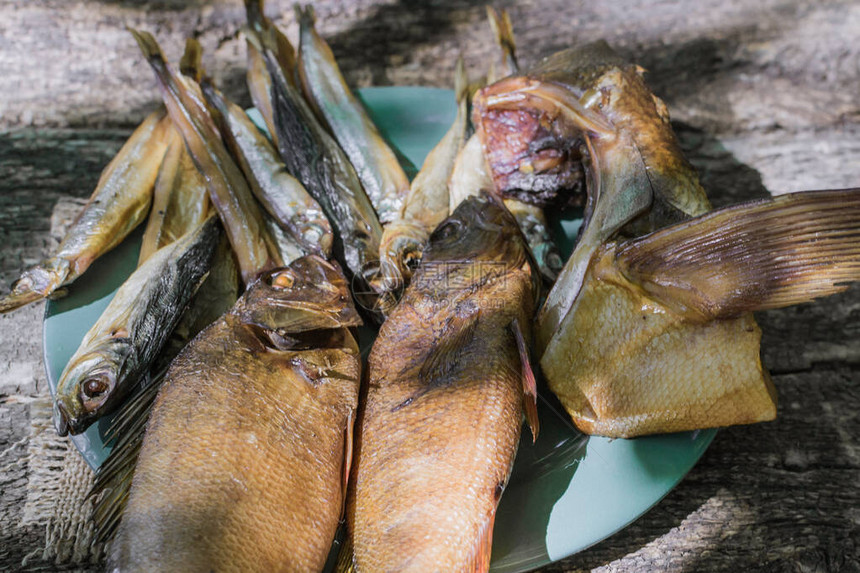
[
  {"x": 479, "y": 240},
  {"x": 88, "y": 386},
  {"x": 401, "y": 250},
  {"x": 535, "y": 127},
  {"x": 308, "y": 294}
]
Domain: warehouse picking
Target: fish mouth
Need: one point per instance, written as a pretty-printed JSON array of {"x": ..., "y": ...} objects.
[{"x": 66, "y": 424}]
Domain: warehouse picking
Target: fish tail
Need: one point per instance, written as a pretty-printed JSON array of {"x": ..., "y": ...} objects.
[
  {"x": 191, "y": 62},
  {"x": 461, "y": 80},
  {"x": 500, "y": 22},
  {"x": 305, "y": 15},
  {"x": 254, "y": 13},
  {"x": 760, "y": 255}
]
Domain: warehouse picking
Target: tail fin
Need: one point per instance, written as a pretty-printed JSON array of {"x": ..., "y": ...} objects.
[
  {"x": 254, "y": 14},
  {"x": 305, "y": 15},
  {"x": 755, "y": 256},
  {"x": 461, "y": 79},
  {"x": 190, "y": 64},
  {"x": 149, "y": 46},
  {"x": 500, "y": 22}
]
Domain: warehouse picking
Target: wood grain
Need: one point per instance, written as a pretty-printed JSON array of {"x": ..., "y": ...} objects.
[{"x": 764, "y": 98}]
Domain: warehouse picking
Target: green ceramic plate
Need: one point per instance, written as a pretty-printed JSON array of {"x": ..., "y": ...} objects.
[{"x": 567, "y": 491}]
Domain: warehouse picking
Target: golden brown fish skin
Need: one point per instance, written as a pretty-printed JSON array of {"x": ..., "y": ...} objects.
[
  {"x": 625, "y": 365},
  {"x": 243, "y": 220},
  {"x": 180, "y": 200},
  {"x": 444, "y": 406},
  {"x": 119, "y": 203},
  {"x": 242, "y": 467},
  {"x": 661, "y": 337}
]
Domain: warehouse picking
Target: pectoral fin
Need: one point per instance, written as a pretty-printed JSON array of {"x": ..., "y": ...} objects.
[
  {"x": 529, "y": 382},
  {"x": 755, "y": 256},
  {"x": 347, "y": 455},
  {"x": 480, "y": 560}
]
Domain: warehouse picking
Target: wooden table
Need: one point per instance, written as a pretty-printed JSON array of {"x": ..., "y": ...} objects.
[{"x": 764, "y": 97}]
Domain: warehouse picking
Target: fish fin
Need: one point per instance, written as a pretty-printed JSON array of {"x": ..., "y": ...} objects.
[
  {"x": 500, "y": 22},
  {"x": 461, "y": 80},
  {"x": 112, "y": 484},
  {"x": 254, "y": 13},
  {"x": 346, "y": 556},
  {"x": 191, "y": 63},
  {"x": 480, "y": 559},
  {"x": 148, "y": 45},
  {"x": 760, "y": 255},
  {"x": 305, "y": 15},
  {"x": 347, "y": 456},
  {"x": 529, "y": 382},
  {"x": 448, "y": 347}
]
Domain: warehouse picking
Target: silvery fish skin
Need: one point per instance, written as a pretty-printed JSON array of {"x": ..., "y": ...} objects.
[
  {"x": 375, "y": 163},
  {"x": 180, "y": 200},
  {"x": 258, "y": 79},
  {"x": 244, "y": 461},
  {"x": 127, "y": 337},
  {"x": 243, "y": 220},
  {"x": 426, "y": 205},
  {"x": 119, "y": 203},
  {"x": 316, "y": 160},
  {"x": 281, "y": 194},
  {"x": 448, "y": 384}
]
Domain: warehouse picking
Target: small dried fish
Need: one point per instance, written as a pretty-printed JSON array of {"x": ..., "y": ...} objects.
[
  {"x": 122, "y": 344},
  {"x": 281, "y": 194},
  {"x": 255, "y": 249},
  {"x": 426, "y": 205},
  {"x": 118, "y": 205},
  {"x": 315, "y": 159},
  {"x": 375, "y": 163}
]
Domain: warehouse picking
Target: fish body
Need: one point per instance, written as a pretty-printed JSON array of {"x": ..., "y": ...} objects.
[
  {"x": 180, "y": 201},
  {"x": 281, "y": 194},
  {"x": 215, "y": 297},
  {"x": 315, "y": 159},
  {"x": 127, "y": 337},
  {"x": 243, "y": 220},
  {"x": 661, "y": 336},
  {"x": 374, "y": 161},
  {"x": 119, "y": 203},
  {"x": 441, "y": 423},
  {"x": 585, "y": 116},
  {"x": 244, "y": 461}
]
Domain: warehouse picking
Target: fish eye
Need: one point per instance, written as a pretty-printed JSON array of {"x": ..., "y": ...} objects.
[
  {"x": 95, "y": 387},
  {"x": 448, "y": 230},
  {"x": 283, "y": 280}
]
